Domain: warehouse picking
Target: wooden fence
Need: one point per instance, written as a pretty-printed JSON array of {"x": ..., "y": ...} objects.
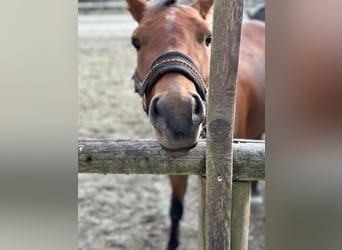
[
  {"x": 224, "y": 190},
  {"x": 105, "y": 156}
]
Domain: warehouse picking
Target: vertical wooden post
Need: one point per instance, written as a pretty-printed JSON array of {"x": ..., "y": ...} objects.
[
  {"x": 240, "y": 214},
  {"x": 220, "y": 122},
  {"x": 201, "y": 212}
]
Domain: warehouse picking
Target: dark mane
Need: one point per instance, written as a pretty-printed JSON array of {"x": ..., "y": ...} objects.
[{"x": 163, "y": 3}]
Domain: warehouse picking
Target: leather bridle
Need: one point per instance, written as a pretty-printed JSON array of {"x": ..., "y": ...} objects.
[{"x": 169, "y": 62}]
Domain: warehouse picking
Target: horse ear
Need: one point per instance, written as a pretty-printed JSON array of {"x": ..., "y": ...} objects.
[
  {"x": 137, "y": 8},
  {"x": 203, "y": 7}
]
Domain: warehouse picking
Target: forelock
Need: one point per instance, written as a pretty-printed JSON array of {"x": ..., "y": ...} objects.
[{"x": 162, "y": 3}]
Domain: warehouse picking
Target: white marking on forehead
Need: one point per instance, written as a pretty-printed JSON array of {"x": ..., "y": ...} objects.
[{"x": 170, "y": 19}]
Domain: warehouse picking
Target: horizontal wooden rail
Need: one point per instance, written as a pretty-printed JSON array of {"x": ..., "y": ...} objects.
[{"x": 147, "y": 157}]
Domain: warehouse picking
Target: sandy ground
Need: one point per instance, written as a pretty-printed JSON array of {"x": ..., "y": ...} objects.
[{"x": 121, "y": 212}]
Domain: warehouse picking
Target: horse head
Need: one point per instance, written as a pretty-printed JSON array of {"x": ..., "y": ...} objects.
[{"x": 172, "y": 71}]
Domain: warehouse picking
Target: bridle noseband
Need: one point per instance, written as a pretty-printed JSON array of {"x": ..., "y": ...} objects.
[{"x": 169, "y": 62}]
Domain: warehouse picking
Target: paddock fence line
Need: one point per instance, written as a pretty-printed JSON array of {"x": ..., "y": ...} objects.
[
  {"x": 103, "y": 156},
  {"x": 145, "y": 156}
]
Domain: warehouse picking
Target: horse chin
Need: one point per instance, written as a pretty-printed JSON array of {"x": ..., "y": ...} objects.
[
  {"x": 185, "y": 149},
  {"x": 171, "y": 144}
]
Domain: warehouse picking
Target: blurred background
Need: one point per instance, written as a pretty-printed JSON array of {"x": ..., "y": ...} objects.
[
  {"x": 117, "y": 211},
  {"x": 102, "y": 6}
]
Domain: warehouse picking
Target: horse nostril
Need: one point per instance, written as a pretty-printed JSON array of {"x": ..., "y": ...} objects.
[
  {"x": 155, "y": 115},
  {"x": 198, "y": 109}
]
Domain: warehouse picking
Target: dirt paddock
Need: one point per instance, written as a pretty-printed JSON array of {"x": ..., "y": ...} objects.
[{"x": 122, "y": 212}]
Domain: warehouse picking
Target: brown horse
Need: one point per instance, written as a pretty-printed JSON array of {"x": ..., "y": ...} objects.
[{"x": 172, "y": 76}]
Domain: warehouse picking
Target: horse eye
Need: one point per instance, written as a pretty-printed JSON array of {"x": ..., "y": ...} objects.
[
  {"x": 208, "y": 40},
  {"x": 136, "y": 43}
]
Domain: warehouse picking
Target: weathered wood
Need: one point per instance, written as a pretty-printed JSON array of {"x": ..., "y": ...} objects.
[
  {"x": 248, "y": 160},
  {"x": 147, "y": 157},
  {"x": 240, "y": 214},
  {"x": 220, "y": 122},
  {"x": 201, "y": 212}
]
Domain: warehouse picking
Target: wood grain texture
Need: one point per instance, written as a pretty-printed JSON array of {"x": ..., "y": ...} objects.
[
  {"x": 220, "y": 122},
  {"x": 240, "y": 215},
  {"x": 201, "y": 212},
  {"x": 147, "y": 157}
]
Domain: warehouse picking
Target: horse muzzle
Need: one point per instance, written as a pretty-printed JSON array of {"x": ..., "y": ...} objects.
[
  {"x": 177, "y": 121},
  {"x": 177, "y": 109}
]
